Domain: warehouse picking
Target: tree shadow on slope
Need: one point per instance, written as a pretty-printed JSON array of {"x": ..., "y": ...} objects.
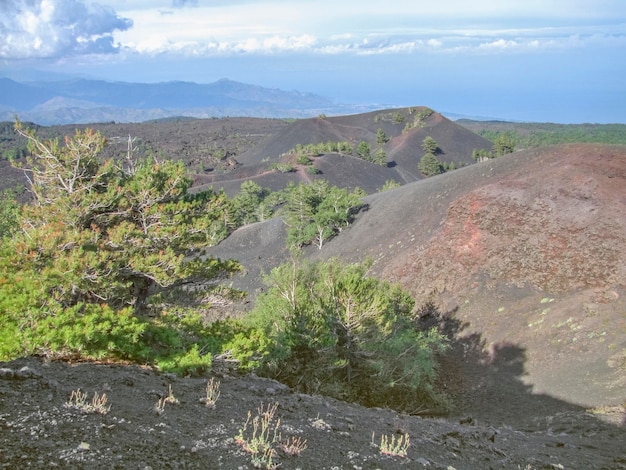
[{"x": 486, "y": 383}]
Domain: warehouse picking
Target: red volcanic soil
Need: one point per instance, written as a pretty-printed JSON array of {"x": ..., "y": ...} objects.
[
  {"x": 525, "y": 258},
  {"x": 526, "y": 251}
]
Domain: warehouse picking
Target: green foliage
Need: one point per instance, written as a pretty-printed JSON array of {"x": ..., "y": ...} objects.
[
  {"x": 381, "y": 137},
  {"x": 503, "y": 144},
  {"x": 315, "y": 150},
  {"x": 10, "y": 149},
  {"x": 251, "y": 204},
  {"x": 397, "y": 118},
  {"x": 530, "y": 135},
  {"x": 380, "y": 157},
  {"x": 448, "y": 166},
  {"x": 9, "y": 213},
  {"x": 423, "y": 114},
  {"x": 33, "y": 323},
  {"x": 188, "y": 362},
  {"x": 390, "y": 184},
  {"x": 429, "y": 145},
  {"x": 98, "y": 240},
  {"x": 363, "y": 150},
  {"x": 334, "y": 330},
  {"x": 419, "y": 120},
  {"x": 119, "y": 231},
  {"x": 429, "y": 165},
  {"x": 282, "y": 167},
  {"x": 345, "y": 148},
  {"x": 316, "y": 212},
  {"x": 481, "y": 154},
  {"x": 303, "y": 160},
  {"x": 247, "y": 345}
]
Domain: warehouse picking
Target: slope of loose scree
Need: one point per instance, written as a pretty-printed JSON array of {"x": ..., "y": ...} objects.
[
  {"x": 404, "y": 132},
  {"x": 40, "y": 431},
  {"x": 525, "y": 253}
]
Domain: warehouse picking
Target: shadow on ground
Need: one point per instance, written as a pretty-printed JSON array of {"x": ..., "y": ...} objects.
[{"x": 488, "y": 383}]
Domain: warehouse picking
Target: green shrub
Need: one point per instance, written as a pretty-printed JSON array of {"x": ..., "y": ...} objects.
[
  {"x": 397, "y": 118},
  {"x": 336, "y": 331},
  {"x": 33, "y": 324},
  {"x": 303, "y": 160},
  {"x": 247, "y": 345},
  {"x": 282, "y": 167},
  {"x": 389, "y": 184},
  {"x": 188, "y": 362}
]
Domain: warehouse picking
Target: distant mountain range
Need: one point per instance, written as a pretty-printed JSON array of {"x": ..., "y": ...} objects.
[{"x": 81, "y": 101}]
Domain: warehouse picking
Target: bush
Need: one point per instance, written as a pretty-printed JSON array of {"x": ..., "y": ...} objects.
[
  {"x": 303, "y": 160},
  {"x": 363, "y": 150},
  {"x": 282, "y": 167},
  {"x": 336, "y": 331},
  {"x": 389, "y": 184},
  {"x": 31, "y": 323}
]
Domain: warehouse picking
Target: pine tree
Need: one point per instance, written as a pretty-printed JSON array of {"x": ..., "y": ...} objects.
[
  {"x": 118, "y": 231},
  {"x": 315, "y": 212},
  {"x": 503, "y": 144},
  {"x": 380, "y": 157},
  {"x": 429, "y": 165},
  {"x": 363, "y": 150},
  {"x": 381, "y": 137},
  {"x": 429, "y": 145}
]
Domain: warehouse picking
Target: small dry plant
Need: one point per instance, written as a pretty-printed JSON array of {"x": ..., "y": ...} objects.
[
  {"x": 396, "y": 447},
  {"x": 212, "y": 393},
  {"x": 78, "y": 401},
  {"x": 170, "y": 398},
  {"x": 259, "y": 440},
  {"x": 260, "y": 437},
  {"x": 159, "y": 407},
  {"x": 293, "y": 446}
]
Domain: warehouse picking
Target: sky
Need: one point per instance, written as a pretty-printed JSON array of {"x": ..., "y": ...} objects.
[{"x": 526, "y": 60}]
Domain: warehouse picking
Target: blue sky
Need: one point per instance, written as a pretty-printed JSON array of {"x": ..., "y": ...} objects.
[{"x": 534, "y": 60}]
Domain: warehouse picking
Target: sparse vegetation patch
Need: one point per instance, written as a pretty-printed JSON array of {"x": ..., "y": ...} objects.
[{"x": 79, "y": 401}]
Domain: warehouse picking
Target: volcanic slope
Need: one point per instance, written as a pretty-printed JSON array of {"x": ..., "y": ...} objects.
[
  {"x": 525, "y": 256},
  {"x": 405, "y": 130}
]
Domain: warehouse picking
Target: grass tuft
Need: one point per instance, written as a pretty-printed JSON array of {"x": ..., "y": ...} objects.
[{"x": 78, "y": 401}]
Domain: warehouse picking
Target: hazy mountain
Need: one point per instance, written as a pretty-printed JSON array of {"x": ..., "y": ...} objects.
[{"x": 83, "y": 101}]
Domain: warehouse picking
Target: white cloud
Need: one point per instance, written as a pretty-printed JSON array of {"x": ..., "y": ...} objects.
[
  {"x": 53, "y": 28},
  {"x": 500, "y": 44},
  {"x": 269, "y": 27},
  {"x": 365, "y": 28}
]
